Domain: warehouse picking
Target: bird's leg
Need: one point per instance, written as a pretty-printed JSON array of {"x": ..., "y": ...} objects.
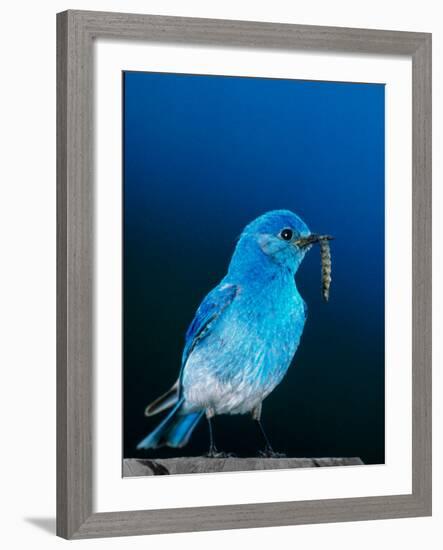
[
  {"x": 213, "y": 452},
  {"x": 268, "y": 451}
]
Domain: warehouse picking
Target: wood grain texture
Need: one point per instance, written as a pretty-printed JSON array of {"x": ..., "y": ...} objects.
[
  {"x": 76, "y": 31},
  {"x": 134, "y": 467},
  {"x": 74, "y": 276},
  {"x": 273, "y": 514},
  {"x": 62, "y": 371},
  {"x": 246, "y": 33},
  {"x": 422, "y": 272}
]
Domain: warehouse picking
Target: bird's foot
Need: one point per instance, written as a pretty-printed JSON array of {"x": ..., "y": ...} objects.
[
  {"x": 268, "y": 452},
  {"x": 214, "y": 453}
]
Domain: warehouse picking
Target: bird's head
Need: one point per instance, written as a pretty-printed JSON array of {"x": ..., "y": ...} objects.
[{"x": 278, "y": 239}]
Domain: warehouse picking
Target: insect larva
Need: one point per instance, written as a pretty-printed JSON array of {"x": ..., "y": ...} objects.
[{"x": 325, "y": 254}]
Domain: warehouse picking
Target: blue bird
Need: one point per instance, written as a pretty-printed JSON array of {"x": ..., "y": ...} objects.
[{"x": 243, "y": 337}]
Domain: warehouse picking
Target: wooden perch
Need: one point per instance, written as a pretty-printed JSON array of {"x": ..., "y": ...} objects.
[{"x": 133, "y": 467}]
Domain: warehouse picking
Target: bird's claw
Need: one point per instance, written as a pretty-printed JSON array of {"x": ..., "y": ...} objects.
[
  {"x": 268, "y": 452},
  {"x": 213, "y": 453}
]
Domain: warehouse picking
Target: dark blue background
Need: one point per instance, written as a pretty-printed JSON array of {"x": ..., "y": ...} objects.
[{"x": 203, "y": 156}]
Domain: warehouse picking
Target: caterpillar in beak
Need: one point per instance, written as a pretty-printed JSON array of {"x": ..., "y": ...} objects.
[
  {"x": 326, "y": 266},
  {"x": 325, "y": 255}
]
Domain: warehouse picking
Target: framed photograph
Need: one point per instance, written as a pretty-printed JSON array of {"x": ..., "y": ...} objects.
[{"x": 243, "y": 275}]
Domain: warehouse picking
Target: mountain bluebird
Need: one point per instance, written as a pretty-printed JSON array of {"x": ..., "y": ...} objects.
[{"x": 243, "y": 336}]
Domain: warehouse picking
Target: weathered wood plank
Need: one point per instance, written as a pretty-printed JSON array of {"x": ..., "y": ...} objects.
[{"x": 134, "y": 467}]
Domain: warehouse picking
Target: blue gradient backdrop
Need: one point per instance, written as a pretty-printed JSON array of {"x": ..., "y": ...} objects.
[{"x": 203, "y": 156}]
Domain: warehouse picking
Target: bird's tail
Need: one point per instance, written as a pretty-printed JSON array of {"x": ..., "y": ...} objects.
[{"x": 174, "y": 431}]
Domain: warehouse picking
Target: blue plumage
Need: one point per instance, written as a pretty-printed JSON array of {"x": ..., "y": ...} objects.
[{"x": 244, "y": 334}]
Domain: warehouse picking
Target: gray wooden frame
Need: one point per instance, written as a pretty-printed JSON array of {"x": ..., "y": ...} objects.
[{"x": 76, "y": 31}]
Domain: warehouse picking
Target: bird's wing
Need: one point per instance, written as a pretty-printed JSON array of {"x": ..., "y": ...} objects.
[
  {"x": 206, "y": 316},
  {"x": 209, "y": 311}
]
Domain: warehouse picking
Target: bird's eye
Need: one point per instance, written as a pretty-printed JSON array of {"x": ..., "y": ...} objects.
[{"x": 286, "y": 234}]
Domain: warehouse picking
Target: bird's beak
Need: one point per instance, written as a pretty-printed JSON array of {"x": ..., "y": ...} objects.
[{"x": 303, "y": 242}]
